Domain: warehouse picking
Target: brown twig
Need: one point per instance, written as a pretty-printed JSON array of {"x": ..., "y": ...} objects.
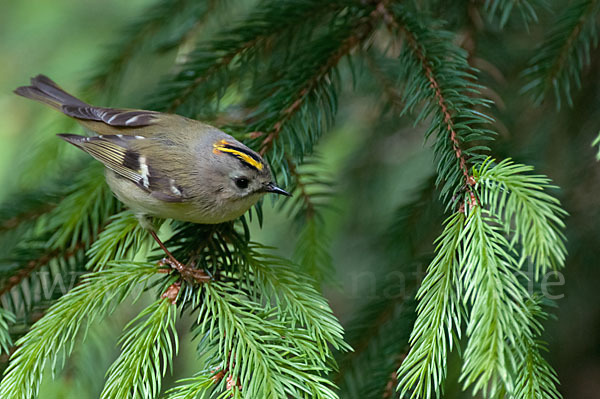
[
  {"x": 224, "y": 61},
  {"x": 390, "y": 386},
  {"x": 557, "y": 66},
  {"x": 35, "y": 264},
  {"x": 25, "y": 216},
  {"x": 392, "y": 24},
  {"x": 363, "y": 28}
]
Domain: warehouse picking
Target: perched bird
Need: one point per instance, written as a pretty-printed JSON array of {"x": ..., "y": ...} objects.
[{"x": 164, "y": 165}]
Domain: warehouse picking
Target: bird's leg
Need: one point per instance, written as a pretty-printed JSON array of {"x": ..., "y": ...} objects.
[{"x": 188, "y": 273}]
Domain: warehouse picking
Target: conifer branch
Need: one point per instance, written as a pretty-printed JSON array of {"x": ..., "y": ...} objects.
[
  {"x": 36, "y": 264},
  {"x": 156, "y": 20},
  {"x": 497, "y": 299},
  {"x": 439, "y": 317},
  {"x": 6, "y": 319},
  {"x": 247, "y": 334},
  {"x": 56, "y": 332},
  {"x": 294, "y": 296},
  {"x": 502, "y": 9},
  {"x": 210, "y": 60},
  {"x": 436, "y": 74},
  {"x": 529, "y": 214},
  {"x": 122, "y": 236},
  {"x": 560, "y": 60},
  {"x": 439, "y": 98},
  {"x": 356, "y": 35},
  {"x": 200, "y": 386},
  {"x": 148, "y": 347},
  {"x": 533, "y": 376},
  {"x": 311, "y": 196}
]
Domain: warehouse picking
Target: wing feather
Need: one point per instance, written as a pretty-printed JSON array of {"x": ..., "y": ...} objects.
[
  {"x": 120, "y": 154},
  {"x": 111, "y": 116}
]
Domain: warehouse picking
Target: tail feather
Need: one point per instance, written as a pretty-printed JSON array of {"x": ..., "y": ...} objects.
[{"x": 44, "y": 90}]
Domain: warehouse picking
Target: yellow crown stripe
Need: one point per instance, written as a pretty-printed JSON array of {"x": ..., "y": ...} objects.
[{"x": 221, "y": 146}]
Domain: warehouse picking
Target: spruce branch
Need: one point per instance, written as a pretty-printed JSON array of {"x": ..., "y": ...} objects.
[
  {"x": 156, "y": 22},
  {"x": 32, "y": 275},
  {"x": 6, "y": 319},
  {"x": 439, "y": 316},
  {"x": 502, "y": 9},
  {"x": 25, "y": 270},
  {"x": 310, "y": 198},
  {"x": 122, "y": 238},
  {"x": 54, "y": 335},
  {"x": 533, "y": 376},
  {"x": 357, "y": 35},
  {"x": 436, "y": 75},
  {"x": 560, "y": 60},
  {"x": 497, "y": 300},
  {"x": 148, "y": 347},
  {"x": 211, "y": 60},
  {"x": 82, "y": 213},
  {"x": 200, "y": 386},
  {"x": 51, "y": 250},
  {"x": 532, "y": 216},
  {"x": 295, "y": 297},
  {"x": 265, "y": 356},
  {"x": 271, "y": 330}
]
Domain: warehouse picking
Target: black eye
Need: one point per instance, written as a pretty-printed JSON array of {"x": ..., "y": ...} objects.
[{"x": 242, "y": 182}]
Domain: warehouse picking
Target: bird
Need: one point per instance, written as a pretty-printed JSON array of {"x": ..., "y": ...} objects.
[{"x": 164, "y": 165}]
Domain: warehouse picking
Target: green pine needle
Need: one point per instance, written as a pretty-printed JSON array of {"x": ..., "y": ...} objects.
[
  {"x": 532, "y": 216},
  {"x": 558, "y": 63},
  {"x": 147, "y": 349},
  {"x": 6, "y": 319},
  {"x": 121, "y": 239},
  {"x": 54, "y": 335},
  {"x": 438, "y": 323}
]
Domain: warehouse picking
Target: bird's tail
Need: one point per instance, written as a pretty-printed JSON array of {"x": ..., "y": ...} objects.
[{"x": 44, "y": 90}]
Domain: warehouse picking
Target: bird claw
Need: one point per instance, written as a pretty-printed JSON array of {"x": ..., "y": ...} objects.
[{"x": 188, "y": 273}]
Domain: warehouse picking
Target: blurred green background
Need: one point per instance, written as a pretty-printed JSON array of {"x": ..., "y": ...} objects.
[{"x": 64, "y": 38}]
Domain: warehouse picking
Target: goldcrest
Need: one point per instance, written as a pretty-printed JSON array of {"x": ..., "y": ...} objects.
[{"x": 164, "y": 165}]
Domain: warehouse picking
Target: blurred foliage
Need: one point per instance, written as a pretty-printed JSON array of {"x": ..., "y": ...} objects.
[{"x": 365, "y": 212}]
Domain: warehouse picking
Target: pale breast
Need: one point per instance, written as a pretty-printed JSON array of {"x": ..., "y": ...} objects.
[{"x": 198, "y": 210}]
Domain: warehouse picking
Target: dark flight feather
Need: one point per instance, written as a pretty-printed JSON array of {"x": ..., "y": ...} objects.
[
  {"x": 44, "y": 90},
  {"x": 118, "y": 153}
]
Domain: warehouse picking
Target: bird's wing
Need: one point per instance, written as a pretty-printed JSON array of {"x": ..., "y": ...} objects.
[
  {"x": 111, "y": 116},
  {"x": 121, "y": 154}
]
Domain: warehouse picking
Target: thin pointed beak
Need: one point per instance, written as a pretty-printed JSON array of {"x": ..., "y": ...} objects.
[{"x": 272, "y": 188}]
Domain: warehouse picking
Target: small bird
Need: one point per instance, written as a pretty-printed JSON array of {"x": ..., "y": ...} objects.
[{"x": 164, "y": 165}]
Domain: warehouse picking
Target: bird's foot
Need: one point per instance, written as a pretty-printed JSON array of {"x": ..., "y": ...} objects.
[{"x": 187, "y": 272}]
